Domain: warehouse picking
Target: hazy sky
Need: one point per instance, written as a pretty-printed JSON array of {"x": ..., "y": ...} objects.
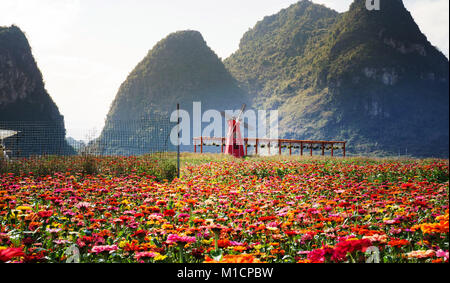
[{"x": 86, "y": 48}]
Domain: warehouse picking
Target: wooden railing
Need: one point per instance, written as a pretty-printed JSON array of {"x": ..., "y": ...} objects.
[{"x": 258, "y": 142}]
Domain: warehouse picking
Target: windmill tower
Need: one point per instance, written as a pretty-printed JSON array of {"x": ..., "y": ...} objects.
[{"x": 234, "y": 143}]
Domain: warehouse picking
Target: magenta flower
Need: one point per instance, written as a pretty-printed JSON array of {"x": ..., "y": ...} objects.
[
  {"x": 100, "y": 249},
  {"x": 441, "y": 253},
  {"x": 174, "y": 238}
]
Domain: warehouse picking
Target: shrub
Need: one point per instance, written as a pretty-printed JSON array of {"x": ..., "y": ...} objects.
[{"x": 89, "y": 165}]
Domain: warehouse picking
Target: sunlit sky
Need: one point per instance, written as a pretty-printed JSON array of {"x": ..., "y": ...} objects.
[{"x": 86, "y": 48}]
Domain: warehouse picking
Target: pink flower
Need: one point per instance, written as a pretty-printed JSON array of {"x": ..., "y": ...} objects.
[
  {"x": 395, "y": 231},
  {"x": 441, "y": 253},
  {"x": 183, "y": 215},
  {"x": 100, "y": 249},
  {"x": 420, "y": 254},
  {"x": 174, "y": 238},
  {"x": 83, "y": 205},
  {"x": 9, "y": 253},
  {"x": 320, "y": 255},
  {"x": 377, "y": 238}
]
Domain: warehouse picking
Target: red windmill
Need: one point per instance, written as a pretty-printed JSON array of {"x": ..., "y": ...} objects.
[{"x": 234, "y": 143}]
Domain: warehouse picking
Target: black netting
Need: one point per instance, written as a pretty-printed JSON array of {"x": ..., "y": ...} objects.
[{"x": 137, "y": 137}]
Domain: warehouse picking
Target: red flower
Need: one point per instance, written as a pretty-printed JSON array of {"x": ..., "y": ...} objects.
[
  {"x": 85, "y": 241},
  {"x": 139, "y": 234},
  {"x": 267, "y": 218},
  {"x": 35, "y": 257},
  {"x": 169, "y": 212},
  {"x": 320, "y": 255},
  {"x": 223, "y": 243},
  {"x": 342, "y": 248},
  {"x": 8, "y": 254},
  {"x": 45, "y": 213},
  {"x": 291, "y": 233},
  {"x": 198, "y": 253},
  {"x": 398, "y": 243}
]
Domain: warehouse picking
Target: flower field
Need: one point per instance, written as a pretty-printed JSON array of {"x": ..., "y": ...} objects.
[{"x": 274, "y": 211}]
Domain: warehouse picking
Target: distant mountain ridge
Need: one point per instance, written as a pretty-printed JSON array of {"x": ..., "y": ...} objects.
[
  {"x": 368, "y": 77},
  {"x": 25, "y": 105},
  {"x": 182, "y": 69}
]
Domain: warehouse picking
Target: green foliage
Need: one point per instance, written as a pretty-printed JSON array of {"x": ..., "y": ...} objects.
[
  {"x": 167, "y": 170},
  {"x": 83, "y": 166},
  {"x": 370, "y": 78},
  {"x": 89, "y": 165}
]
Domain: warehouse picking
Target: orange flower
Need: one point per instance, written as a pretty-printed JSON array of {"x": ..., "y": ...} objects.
[
  {"x": 239, "y": 248},
  {"x": 398, "y": 243},
  {"x": 430, "y": 228},
  {"x": 242, "y": 258},
  {"x": 304, "y": 261},
  {"x": 277, "y": 251}
]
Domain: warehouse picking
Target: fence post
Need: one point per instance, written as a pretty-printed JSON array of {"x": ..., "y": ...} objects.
[
  {"x": 178, "y": 141},
  {"x": 246, "y": 147},
  {"x": 301, "y": 149},
  {"x": 201, "y": 144}
]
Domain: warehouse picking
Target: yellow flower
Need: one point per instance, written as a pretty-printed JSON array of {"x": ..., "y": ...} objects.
[
  {"x": 23, "y": 207},
  {"x": 352, "y": 239},
  {"x": 13, "y": 214},
  {"x": 167, "y": 226},
  {"x": 207, "y": 242},
  {"x": 160, "y": 257},
  {"x": 56, "y": 225},
  {"x": 180, "y": 204}
]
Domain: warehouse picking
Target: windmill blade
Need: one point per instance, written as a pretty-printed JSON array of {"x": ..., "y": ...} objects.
[
  {"x": 226, "y": 116},
  {"x": 239, "y": 116},
  {"x": 241, "y": 112}
]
